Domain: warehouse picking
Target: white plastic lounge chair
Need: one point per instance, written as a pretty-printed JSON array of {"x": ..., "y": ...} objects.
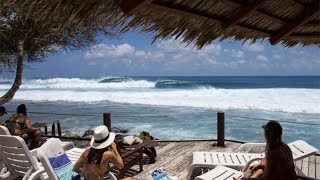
[
  {"x": 17, "y": 158},
  {"x": 226, "y": 173},
  {"x": 53, "y": 148},
  {"x": 65, "y": 144},
  {"x": 220, "y": 173},
  {"x": 19, "y": 162},
  {"x": 4, "y": 130},
  {"x": 240, "y": 161}
]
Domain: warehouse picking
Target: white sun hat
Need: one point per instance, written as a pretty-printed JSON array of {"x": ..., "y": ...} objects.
[{"x": 102, "y": 138}]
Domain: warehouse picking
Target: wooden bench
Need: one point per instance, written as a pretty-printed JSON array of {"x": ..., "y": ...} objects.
[
  {"x": 148, "y": 149},
  {"x": 130, "y": 156}
]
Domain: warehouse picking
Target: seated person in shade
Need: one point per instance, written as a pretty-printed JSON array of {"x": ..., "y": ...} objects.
[
  {"x": 20, "y": 125},
  {"x": 2, "y": 112},
  {"x": 94, "y": 162},
  {"x": 278, "y": 163}
]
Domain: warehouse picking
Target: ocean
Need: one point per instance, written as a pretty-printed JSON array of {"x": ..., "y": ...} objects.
[{"x": 176, "y": 108}]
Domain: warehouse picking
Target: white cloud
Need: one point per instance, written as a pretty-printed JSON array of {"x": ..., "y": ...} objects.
[
  {"x": 237, "y": 54},
  {"x": 253, "y": 47},
  {"x": 170, "y": 56},
  {"x": 276, "y": 56},
  {"x": 212, "y": 48},
  {"x": 105, "y": 50},
  {"x": 262, "y": 58},
  {"x": 242, "y": 61},
  {"x": 124, "y": 50}
]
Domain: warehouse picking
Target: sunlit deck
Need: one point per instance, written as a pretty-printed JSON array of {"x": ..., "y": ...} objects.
[{"x": 175, "y": 158}]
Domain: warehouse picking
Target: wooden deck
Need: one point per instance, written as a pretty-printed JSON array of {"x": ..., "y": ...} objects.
[{"x": 175, "y": 158}]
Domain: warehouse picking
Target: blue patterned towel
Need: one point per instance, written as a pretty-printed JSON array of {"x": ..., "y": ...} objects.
[{"x": 62, "y": 166}]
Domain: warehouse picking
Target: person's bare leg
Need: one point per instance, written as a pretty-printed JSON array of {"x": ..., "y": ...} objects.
[{"x": 35, "y": 138}]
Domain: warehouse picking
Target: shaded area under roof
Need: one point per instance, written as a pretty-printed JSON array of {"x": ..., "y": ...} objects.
[{"x": 289, "y": 22}]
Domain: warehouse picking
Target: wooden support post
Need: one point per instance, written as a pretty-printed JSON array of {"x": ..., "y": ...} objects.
[
  {"x": 220, "y": 128},
  {"x": 45, "y": 130},
  {"x": 59, "y": 128},
  {"x": 107, "y": 120},
  {"x": 53, "y": 129}
]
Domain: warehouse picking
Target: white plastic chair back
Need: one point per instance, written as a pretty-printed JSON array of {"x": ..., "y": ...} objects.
[
  {"x": 17, "y": 157},
  {"x": 4, "y": 130},
  {"x": 300, "y": 149},
  {"x": 51, "y": 148}
]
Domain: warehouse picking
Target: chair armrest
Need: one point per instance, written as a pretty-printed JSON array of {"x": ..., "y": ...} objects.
[
  {"x": 111, "y": 176},
  {"x": 3, "y": 170},
  {"x": 243, "y": 146},
  {"x": 34, "y": 152},
  {"x": 36, "y": 174},
  {"x": 246, "y": 167},
  {"x": 4, "y": 173}
]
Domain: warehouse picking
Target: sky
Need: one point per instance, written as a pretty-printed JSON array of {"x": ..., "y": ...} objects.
[{"x": 134, "y": 54}]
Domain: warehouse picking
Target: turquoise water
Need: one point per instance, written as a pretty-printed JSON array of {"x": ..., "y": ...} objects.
[{"x": 176, "y": 107}]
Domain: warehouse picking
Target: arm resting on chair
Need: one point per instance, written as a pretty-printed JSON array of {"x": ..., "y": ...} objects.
[{"x": 249, "y": 162}]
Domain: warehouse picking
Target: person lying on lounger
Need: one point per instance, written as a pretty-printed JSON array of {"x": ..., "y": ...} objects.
[
  {"x": 278, "y": 163},
  {"x": 93, "y": 164}
]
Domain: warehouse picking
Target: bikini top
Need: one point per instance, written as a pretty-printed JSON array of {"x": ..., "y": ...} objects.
[{"x": 14, "y": 119}]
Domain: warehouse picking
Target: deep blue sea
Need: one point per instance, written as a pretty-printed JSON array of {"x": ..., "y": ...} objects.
[{"x": 173, "y": 108}]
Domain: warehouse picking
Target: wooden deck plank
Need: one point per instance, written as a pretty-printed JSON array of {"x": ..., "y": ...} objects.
[
  {"x": 171, "y": 161},
  {"x": 312, "y": 166},
  {"x": 164, "y": 158},
  {"x": 183, "y": 165},
  {"x": 175, "y": 157},
  {"x": 304, "y": 166},
  {"x": 298, "y": 164},
  {"x": 317, "y": 167}
]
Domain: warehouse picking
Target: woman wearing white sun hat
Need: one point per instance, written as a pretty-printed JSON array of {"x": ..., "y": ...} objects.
[{"x": 94, "y": 162}]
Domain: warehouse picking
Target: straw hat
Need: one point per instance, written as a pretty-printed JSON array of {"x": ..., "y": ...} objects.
[{"x": 102, "y": 138}]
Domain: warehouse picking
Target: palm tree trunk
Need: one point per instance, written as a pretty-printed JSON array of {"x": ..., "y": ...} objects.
[{"x": 17, "y": 81}]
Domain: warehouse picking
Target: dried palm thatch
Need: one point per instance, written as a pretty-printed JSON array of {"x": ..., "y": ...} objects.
[
  {"x": 64, "y": 13},
  {"x": 290, "y": 22}
]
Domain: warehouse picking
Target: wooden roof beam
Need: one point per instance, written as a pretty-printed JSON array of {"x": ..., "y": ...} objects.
[
  {"x": 236, "y": 4},
  {"x": 264, "y": 14},
  {"x": 304, "y": 36},
  {"x": 131, "y": 6},
  {"x": 198, "y": 16},
  {"x": 184, "y": 12},
  {"x": 241, "y": 13},
  {"x": 307, "y": 13}
]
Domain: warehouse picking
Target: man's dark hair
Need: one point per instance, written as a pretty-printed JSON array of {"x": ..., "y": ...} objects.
[{"x": 22, "y": 109}]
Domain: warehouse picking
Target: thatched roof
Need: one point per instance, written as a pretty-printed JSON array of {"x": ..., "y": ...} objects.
[
  {"x": 289, "y": 22},
  {"x": 63, "y": 13}
]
